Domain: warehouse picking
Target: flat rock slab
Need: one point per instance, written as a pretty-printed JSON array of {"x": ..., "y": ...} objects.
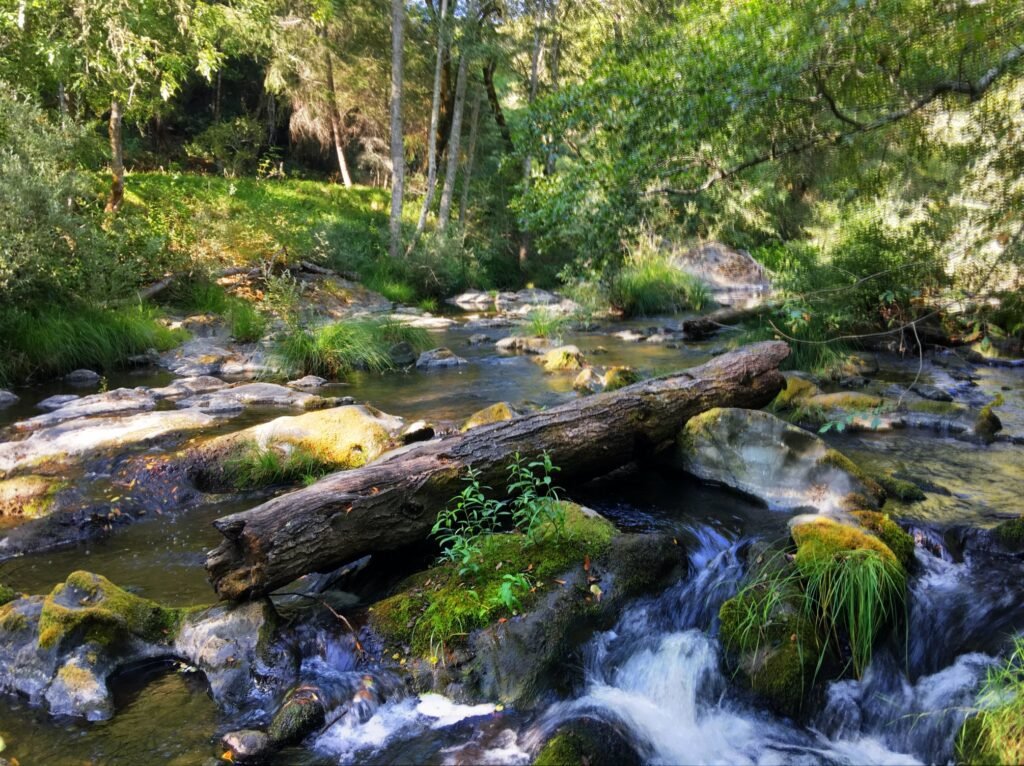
[
  {"x": 74, "y": 438},
  {"x": 251, "y": 395},
  {"x": 117, "y": 402},
  {"x": 56, "y": 401},
  {"x": 204, "y": 356},
  {"x": 201, "y": 384},
  {"x": 439, "y": 358}
]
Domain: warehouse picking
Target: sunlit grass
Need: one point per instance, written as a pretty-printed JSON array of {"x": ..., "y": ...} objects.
[{"x": 335, "y": 350}]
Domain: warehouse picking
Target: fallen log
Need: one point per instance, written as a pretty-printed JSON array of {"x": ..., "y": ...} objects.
[
  {"x": 707, "y": 325},
  {"x": 394, "y": 501}
]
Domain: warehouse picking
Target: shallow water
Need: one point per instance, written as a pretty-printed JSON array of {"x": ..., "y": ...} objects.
[{"x": 657, "y": 675}]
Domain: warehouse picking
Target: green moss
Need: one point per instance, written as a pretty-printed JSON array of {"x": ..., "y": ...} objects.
[
  {"x": 1011, "y": 533},
  {"x": 848, "y": 401},
  {"x": 838, "y": 460},
  {"x": 562, "y": 359},
  {"x": 796, "y": 389},
  {"x": 988, "y": 423},
  {"x": 618, "y": 377},
  {"x": 251, "y": 467},
  {"x": 434, "y": 607},
  {"x": 902, "y": 490},
  {"x": 495, "y": 413},
  {"x": 92, "y": 607},
  {"x": 890, "y": 533},
  {"x": 561, "y": 750},
  {"x": 929, "y": 407},
  {"x": 6, "y": 594},
  {"x": 11, "y": 621}
]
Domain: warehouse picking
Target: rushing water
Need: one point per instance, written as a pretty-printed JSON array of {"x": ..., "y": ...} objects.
[{"x": 656, "y": 677}]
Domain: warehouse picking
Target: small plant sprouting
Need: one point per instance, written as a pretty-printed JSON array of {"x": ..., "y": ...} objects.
[{"x": 534, "y": 496}]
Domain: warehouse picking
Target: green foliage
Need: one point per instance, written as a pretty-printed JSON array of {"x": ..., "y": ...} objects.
[
  {"x": 532, "y": 506},
  {"x": 233, "y": 147},
  {"x": 995, "y": 734},
  {"x": 543, "y": 323},
  {"x": 648, "y": 284},
  {"x": 205, "y": 297},
  {"x": 254, "y": 467},
  {"x": 334, "y": 350},
  {"x": 41, "y": 343}
]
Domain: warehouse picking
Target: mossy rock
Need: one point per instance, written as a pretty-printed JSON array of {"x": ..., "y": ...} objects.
[
  {"x": 988, "y": 423},
  {"x": 588, "y": 381},
  {"x": 821, "y": 537},
  {"x": 29, "y": 497},
  {"x": 619, "y": 377},
  {"x": 562, "y": 359},
  {"x": 1011, "y": 534},
  {"x": 7, "y": 594},
  {"x": 875, "y": 493},
  {"x": 797, "y": 389},
  {"x": 890, "y": 533},
  {"x": 432, "y": 607},
  {"x": 587, "y": 742},
  {"x": 899, "y": 489},
  {"x": 89, "y": 608},
  {"x": 496, "y": 413},
  {"x": 846, "y": 401},
  {"x": 776, "y": 645},
  {"x": 302, "y": 713},
  {"x": 929, "y": 407}
]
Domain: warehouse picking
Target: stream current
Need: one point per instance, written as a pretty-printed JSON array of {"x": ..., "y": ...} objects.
[{"x": 656, "y": 677}]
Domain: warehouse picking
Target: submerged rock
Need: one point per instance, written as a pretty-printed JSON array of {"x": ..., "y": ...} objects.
[
  {"x": 56, "y": 401},
  {"x": 439, "y": 358},
  {"x": 83, "y": 378},
  {"x": 8, "y": 398},
  {"x": 120, "y": 401},
  {"x": 238, "y": 398},
  {"x": 562, "y": 359},
  {"x": 763, "y": 456}
]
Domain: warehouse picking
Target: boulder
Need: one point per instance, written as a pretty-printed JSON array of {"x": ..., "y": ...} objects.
[
  {"x": 933, "y": 393},
  {"x": 562, "y": 359},
  {"x": 83, "y": 378},
  {"x": 587, "y": 741},
  {"x": 237, "y": 398},
  {"x": 117, "y": 402},
  {"x": 248, "y": 746},
  {"x": 402, "y": 354},
  {"x": 479, "y": 338},
  {"x": 7, "y": 398},
  {"x": 309, "y": 381},
  {"x": 588, "y": 381},
  {"x": 182, "y": 387},
  {"x": 515, "y": 343},
  {"x": 615, "y": 378},
  {"x": 439, "y": 358},
  {"x": 493, "y": 414},
  {"x": 781, "y": 465},
  {"x": 723, "y": 268}
]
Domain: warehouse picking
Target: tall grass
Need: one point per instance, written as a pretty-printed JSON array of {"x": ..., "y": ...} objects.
[
  {"x": 648, "y": 284},
  {"x": 46, "y": 342},
  {"x": 205, "y": 297},
  {"x": 254, "y": 467},
  {"x": 996, "y": 734},
  {"x": 810, "y": 346},
  {"x": 543, "y": 323},
  {"x": 334, "y": 350}
]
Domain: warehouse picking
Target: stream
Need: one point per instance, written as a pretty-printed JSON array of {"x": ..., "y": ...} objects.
[{"x": 656, "y": 678}]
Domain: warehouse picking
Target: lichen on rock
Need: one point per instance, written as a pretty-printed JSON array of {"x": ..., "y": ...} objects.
[{"x": 495, "y": 413}]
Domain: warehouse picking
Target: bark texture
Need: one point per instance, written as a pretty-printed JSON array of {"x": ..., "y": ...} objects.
[
  {"x": 397, "y": 136},
  {"x": 394, "y": 501},
  {"x": 116, "y": 158},
  {"x": 709, "y": 324}
]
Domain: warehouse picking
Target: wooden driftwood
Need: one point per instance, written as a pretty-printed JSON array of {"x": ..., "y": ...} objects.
[
  {"x": 394, "y": 501},
  {"x": 707, "y": 325}
]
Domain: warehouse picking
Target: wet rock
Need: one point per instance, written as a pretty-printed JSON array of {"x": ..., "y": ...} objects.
[
  {"x": 7, "y": 398},
  {"x": 615, "y": 378},
  {"x": 182, "y": 387},
  {"x": 27, "y": 496},
  {"x": 238, "y": 398},
  {"x": 70, "y": 440},
  {"x": 587, "y": 741},
  {"x": 117, "y": 402},
  {"x": 988, "y": 423},
  {"x": 630, "y": 336},
  {"x": 562, "y": 359},
  {"x": 309, "y": 381},
  {"x": 302, "y": 713},
  {"x": 473, "y": 300},
  {"x": 933, "y": 393},
  {"x": 427, "y": 322},
  {"x": 418, "y": 431},
  {"x": 479, "y": 338},
  {"x": 336, "y": 438},
  {"x": 515, "y": 343},
  {"x": 854, "y": 381},
  {"x": 228, "y": 642},
  {"x": 206, "y": 356},
  {"x": 856, "y": 364},
  {"x": 83, "y": 378},
  {"x": 588, "y": 381},
  {"x": 57, "y": 401},
  {"x": 489, "y": 323},
  {"x": 248, "y": 746},
  {"x": 785, "y": 467},
  {"x": 439, "y": 358},
  {"x": 494, "y": 414},
  {"x": 402, "y": 354},
  {"x": 531, "y": 299}
]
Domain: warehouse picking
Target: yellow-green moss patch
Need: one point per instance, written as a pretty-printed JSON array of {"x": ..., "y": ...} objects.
[
  {"x": 494, "y": 414},
  {"x": 562, "y": 359},
  {"x": 838, "y": 460},
  {"x": 6, "y": 594},
  {"x": 890, "y": 533},
  {"x": 929, "y": 407},
  {"x": 796, "y": 389},
  {"x": 848, "y": 401},
  {"x": 92, "y": 607},
  {"x": 618, "y": 377},
  {"x": 28, "y": 496},
  {"x": 434, "y": 607}
]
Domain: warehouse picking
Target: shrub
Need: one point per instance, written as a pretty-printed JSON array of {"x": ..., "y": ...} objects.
[
  {"x": 334, "y": 350},
  {"x": 40, "y": 343},
  {"x": 233, "y": 146}
]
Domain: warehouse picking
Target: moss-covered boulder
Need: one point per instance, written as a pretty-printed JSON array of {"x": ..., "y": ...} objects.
[
  {"x": 797, "y": 390},
  {"x": 503, "y": 630},
  {"x": 28, "y": 497},
  {"x": 495, "y": 413},
  {"x": 302, "y": 713},
  {"x": 288, "y": 448},
  {"x": 587, "y": 742},
  {"x": 588, "y": 381},
  {"x": 761, "y": 455},
  {"x": 889, "y": 532},
  {"x": 897, "y": 488},
  {"x": 1010, "y": 534},
  {"x": 562, "y": 359},
  {"x": 615, "y": 378},
  {"x": 7, "y": 594},
  {"x": 988, "y": 423}
]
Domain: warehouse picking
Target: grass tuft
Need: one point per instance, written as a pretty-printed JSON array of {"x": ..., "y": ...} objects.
[
  {"x": 334, "y": 350},
  {"x": 648, "y": 284},
  {"x": 996, "y": 733},
  {"x": 255, "y": 468}
]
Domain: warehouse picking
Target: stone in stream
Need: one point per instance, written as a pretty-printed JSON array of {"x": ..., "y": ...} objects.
[
  {"x": 477, "y": 339},
  {"x": 248, "y": 746},
  {"x": 615, "y": 378},
  {"x": 494, "y": 414},
  {"x": 62, "y": 648},
  {"x": 182, "y": 387},
  {"x": 933, "y": 393},
  {"x": 781, "y": 465},
  {"x": 515, "y": 343},
  {"x": 56, "y": 401},
  {"x": 82, "y": 378},
  {"x": 588, "y": 381},
  {"x": 309, "y": 381},
  {"x": 562, "y": 359},
  {"x": 587, "y": 741},
  {"x": 7, "y": 398},
  {"x": 402, "y": 354},
  {"x": 236, "y": 398},
  {"x": 117, "y": 402},
  {"x": 439, "y": 358}
]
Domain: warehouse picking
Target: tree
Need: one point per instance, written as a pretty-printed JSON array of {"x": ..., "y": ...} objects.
[{"x": 397, "y": 136}]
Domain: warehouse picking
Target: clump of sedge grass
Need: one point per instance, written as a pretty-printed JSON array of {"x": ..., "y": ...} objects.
[
  {"x": 334, "y": 350},
  {"x": 649, "y": 284},
  {"x": 996, "y": 733},
  {"x": 256, "y": 467}
]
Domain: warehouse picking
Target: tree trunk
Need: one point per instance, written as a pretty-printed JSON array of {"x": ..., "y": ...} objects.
[
  {"x": 435, "y": 113},
  {"x": 397, "y": 137},
  {"x": 525, "y": 240},
  {"x": 495, "y": 104},
  {"x": 467, "y": 174},
  {"x": 332, "y": 105},
  {"x": 452, "y": 169},
  {"x": 554, "y": 65},
  {"x": 116, "y": 158},
  {"x": 394, "y": 501}
]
